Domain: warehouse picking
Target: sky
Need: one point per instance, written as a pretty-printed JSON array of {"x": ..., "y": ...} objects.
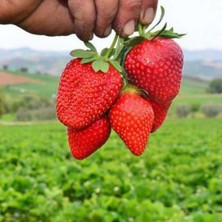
[{"x": 199, "y": 19}]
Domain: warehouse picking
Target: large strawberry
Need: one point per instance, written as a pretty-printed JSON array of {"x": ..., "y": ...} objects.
[
  {"x": 85, "y": 94},
  {"x": 132, "y": 119},
  {"x": 156, "y": 66},
  {"x": 86, "y": 141}
]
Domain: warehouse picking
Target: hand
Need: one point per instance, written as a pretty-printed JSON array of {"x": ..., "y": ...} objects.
[{"x": 82, "y": 17}]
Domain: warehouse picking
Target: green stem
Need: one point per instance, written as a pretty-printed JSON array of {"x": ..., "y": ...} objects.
[
  {"x": 140, "y": 29},
  {"x": 108, "y": 54}
]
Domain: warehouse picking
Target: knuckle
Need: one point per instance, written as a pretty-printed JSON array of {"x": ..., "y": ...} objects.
[{"x": 133, "y": 4}]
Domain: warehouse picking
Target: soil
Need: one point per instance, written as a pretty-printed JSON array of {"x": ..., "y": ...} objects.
[{"x": 10, "y": 79}]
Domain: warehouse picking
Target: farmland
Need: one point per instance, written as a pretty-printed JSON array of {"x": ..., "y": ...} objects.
[
  {"x": 42, "y": 85},
  {"x": 178, "y": 178}
]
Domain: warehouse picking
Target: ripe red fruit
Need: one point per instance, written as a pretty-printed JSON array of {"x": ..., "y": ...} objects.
[
  {"x": 156, "y": 66},
  {"x": 84, "y": 95},
  {"x": 160, "y": 112},
  {"x": 86, "y": 141},
  {"x": 132, "y": 119}
]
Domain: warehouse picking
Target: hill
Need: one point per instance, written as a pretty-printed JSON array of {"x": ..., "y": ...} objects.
[
  {"x": 9, "y": 79},
  {"x": 206, "y": 55},
  {"x": 204, "y": 64},
  {"x": 42, "y": 84},
  {"x": 207, "y": 70},
  {"x": 25, "y": 83},
  {"x": 43, "y": 62}
]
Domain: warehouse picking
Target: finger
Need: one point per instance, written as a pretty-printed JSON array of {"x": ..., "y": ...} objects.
[
  {"x": 84, "y": 18},
  {"x": 128, "y": 14},
  {"x": 106, "y": 12},
  {"x": 38, "y": 22},
  {"x": 148, "y": 11},
  {"x": 12, "y": 12}
]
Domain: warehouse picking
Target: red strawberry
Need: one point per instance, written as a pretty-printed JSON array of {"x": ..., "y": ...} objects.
[
  {"x": 156, "y": 66},
  {"x": 132, "y": 119},
  {"x": 160, "y": 112},
  {"x": 86, "y": 141},
  {"x": 84, "y": 95}
]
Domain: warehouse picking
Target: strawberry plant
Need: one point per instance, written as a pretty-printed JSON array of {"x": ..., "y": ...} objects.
[{"x": 173, "y": 181}]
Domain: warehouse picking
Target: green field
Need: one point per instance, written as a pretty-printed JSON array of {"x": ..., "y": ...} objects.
[
  {"x": 193, "y": 91},
  {"x": 47, "y": 86},
  {"x": 177, "y": 179}
]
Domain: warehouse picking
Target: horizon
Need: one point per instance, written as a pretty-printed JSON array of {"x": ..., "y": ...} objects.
[{"x": 51, "y": 50}]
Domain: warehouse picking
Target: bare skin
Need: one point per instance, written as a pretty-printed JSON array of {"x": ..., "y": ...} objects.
[{"x": 81, "y": 17}]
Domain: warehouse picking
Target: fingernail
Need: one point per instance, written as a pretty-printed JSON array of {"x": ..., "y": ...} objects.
[
  {"x": 129, "y": 27},
  {"x": 148, "y": 16},
  {"x": 108, "y": 31}
]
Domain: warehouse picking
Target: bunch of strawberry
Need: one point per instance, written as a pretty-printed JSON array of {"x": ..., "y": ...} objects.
[{"x": 93, "y": 96}]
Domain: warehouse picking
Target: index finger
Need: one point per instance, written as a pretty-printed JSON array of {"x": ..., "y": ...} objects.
[{"x": 148, "y": 11}]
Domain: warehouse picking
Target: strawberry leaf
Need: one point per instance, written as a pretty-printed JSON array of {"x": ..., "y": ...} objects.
[
  {"x": 90, "y": 46},
  {"x": 153, "y": 35},
  {"x": 99, "y": 65},
  {"x": 134, "y": 41},
  {"x": 119, "y": 48},
  {"x": 90, "y": 59},
  {"x": 116, "y": 65},
  {"x": 170, "y": 34},
  {"x": 104, "y": 51},
  {"x": 80, "y": 53},
  {"x": 160, "y": 19}
]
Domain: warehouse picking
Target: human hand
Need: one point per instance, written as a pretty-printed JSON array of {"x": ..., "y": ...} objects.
[{"x": 84, "y": 18}]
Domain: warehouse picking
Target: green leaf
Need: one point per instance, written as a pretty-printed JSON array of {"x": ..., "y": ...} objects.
[
  {"x": 104, "y": 51},
  {"x": 116, "y": 65},
  {"x": 119, "y": 48},
  {"x": 80, "y": 53},
  {"x": 160, "y": 19},
  {"x": 165, "y": 33},
  {"x": 171, "y": 34},
  {"x": 99, "y": 65},
  {"x": 90, "y": 46},
  {"x": 157, "y": 33},
  {"x": 134, "y": 41},
  {"x": 90, "y": 59}
]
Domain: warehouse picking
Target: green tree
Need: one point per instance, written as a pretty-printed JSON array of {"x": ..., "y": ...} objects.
[{"x": 215, "y": 86}]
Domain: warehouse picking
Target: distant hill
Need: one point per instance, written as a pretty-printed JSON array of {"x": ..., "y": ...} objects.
[
  {"x": 29, "y": 53},
  {"x": 9, "y": 79},
  {"x": 204, "y": 64},
  {"x": 19, "y": 84},
  {"x": 203, "y": 69},
  {"x": 49, "y": 62},
  {"x": 206, "y": 55}
]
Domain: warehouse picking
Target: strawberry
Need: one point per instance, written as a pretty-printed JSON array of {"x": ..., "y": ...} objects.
[
  {"x": 160, "y": 112},
  {"x": 86, "y": 141},
  {"x": 156, "y": 66},
  {"x": 84, "y": 94},
  {"x": 132, "y": 119}
]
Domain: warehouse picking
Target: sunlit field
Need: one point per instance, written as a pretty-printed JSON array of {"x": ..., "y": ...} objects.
[{"x": 178, "y": 178}]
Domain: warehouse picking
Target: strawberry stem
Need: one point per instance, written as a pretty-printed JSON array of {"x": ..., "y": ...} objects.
[
  {"x": 109, "y": 52},
  {"x": 141, "y": 29},
  {"x": 160, "y": 19}
]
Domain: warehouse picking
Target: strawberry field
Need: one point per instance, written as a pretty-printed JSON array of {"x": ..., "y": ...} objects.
[{"x": 178, "y": 178}]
